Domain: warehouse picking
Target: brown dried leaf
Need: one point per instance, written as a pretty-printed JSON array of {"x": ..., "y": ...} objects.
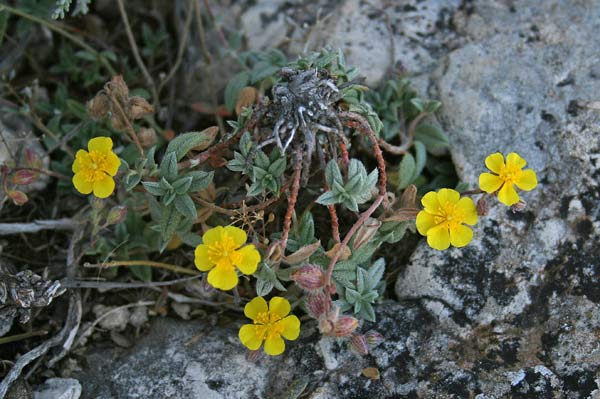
[
  {"x": 118, "y": 89},
  {"x": 366, "y": 232},
  {"x": 409, "y": 197},
  {"x": 371, "y": 372},
  {"x": 402, "y": 215},
  {"x": 99, "y": 106},
  {"x": 210, "y": 134},
  {"x": 302, "y": 254},
  {"x": 247, "y": 97},
  {"x": 344, "y": 255}
]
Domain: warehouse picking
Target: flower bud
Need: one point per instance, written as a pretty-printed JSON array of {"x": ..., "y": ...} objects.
[
  {"x": 366, "y": 232},
  {"x": 359, "y": 344},
  {"x": 18, "y": 197},
  {"x": 326, "y": 326},
  {"x": 344, "y": 326},
  {"x": 116, "y": 215},
  {"x": 519, "y": 206},
  {"x": 482, "y": 207},
  {"x": 98, "y": 106},
  {"x": 33, "y": 159},
  {"x": 317, "y": 304},
  {"x": 309, "y": 277},
  {"x": 374, "y": 338},
  {"x": 23, "y": 177}
]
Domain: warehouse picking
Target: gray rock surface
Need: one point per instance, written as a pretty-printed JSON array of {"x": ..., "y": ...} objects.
[
  {"x": 516, "y": 314},
  {"x": 58, "y": 388}
]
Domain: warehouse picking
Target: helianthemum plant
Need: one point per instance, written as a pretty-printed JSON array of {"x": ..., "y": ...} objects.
[{"x": 94, "y": 170}]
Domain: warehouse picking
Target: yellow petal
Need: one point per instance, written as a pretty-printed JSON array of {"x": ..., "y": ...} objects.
[
  {"x": 213, "y": 235},
  {"x": 489, "y": 182},
  {"x": 425, "y": 221},
  {"x": 278, "y": 308},
  {"x": 249, "y": 259},
  {"x": 100, "y": 144},
  {"x": 507, "y": 195},
  {"x": 495, "y": 162},
  {"x": 80, "y": 157},
  {"x": 528, "y": 180},
  {"x": 438, "y": 238},
  {"x": 112, "y": 163},
  {"x": 255, "y": 307},
  {"x": 274, "y": 345},
  {"x": 81, "y": 184},
  {"x": 201, "y": 258},
  {"x": 513, "y": 159},
  {"x": 291, "y": 327},
  {"x": 448, "y": 196},
  {"x": 105, "y": 187},
  {"x": 461, "y": 236},
  {"x": 223, "y": 278},
  {"x": 249, "y": 336},
  {"x": 239, "y": 236},
  {"x": 467, "y": 207},
  {"x": 430, "y": 203}
]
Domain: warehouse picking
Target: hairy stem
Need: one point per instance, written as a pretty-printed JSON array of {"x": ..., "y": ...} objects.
[
  {"x": 141, "y": 262},
  {"x": 295, "y": 189}
]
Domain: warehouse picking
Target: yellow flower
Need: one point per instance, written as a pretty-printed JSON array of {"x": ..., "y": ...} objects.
[
  {"x": 94, "y": 170},
  {"x": 505, "y": 176},
  {"x": 220, "y": 253},
  {"x": 270, "y": 324},
  {"x": 443, "y": 216}
]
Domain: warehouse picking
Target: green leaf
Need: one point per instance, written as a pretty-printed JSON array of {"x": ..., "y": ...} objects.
[
  {"x": 407, "y": 171},
  {"x": 333, "y": 173},
  {"x": 183, "y": 184},
  {"x": 169, "y": 222},
  {"x": 168, "y": 166},
  {"x": 168, "y": 198},
  {"x": 376, "y": 271},
  {"x": 233, "y": 88},
  {"x": 183, "y": 143},
  {"x": 327, "y": 198},
  {"x": 185, "y": 206},
  {"x": 421, "y": 159},
  {"x": 165, "y": 185},
  {"x": 367, "y": 312},
  {"x": 132, "y": 180},
  {"x": 433, "y": 137},
  {"x": 200, "y": 180},
  {"x": 352, "y": 296},
  {"x": 144, "y": 273},
  {"x": 152, "y": 187}
]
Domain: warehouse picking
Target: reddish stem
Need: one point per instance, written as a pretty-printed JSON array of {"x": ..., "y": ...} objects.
[
  {"x": 335, "y": 224},
  {"x": 287, "y": 221},
  {"x": 356, "y": 121}
]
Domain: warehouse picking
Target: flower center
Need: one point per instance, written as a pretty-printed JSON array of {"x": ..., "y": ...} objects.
[
  {"x": 94, "y": 166},
  {"x": 267, "y": 325},
  {"x": 450, "y": 216},
  {"x": 223, "y": 252},
  {"x": 510, "y": 174}
]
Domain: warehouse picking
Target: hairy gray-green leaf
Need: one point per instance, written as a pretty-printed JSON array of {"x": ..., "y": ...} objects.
[
  {"x": 153, "y": 188},
  {"x": 168, "y": 166},
  {"x": 233, "y": 88},
  {"x": 182, "y": 185},
  {"x": 407, "y": 171},
  {"x": 200, "y": 180},
  {"x": 169, "y": 222},
  {"x": 183, "y": 143},
  {"x": 185, "y": 206}
]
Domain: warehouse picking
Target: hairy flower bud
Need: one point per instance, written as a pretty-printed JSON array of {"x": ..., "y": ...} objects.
[
  {"x": 359, "y": 344},
  {"x": 33, "y": 159},
  {"x": 117, "y": 214},
  {"x": 482, "y": 207},
  {"x": 317, "y": 304},
  {"x": 374, "y": 338},
  {"x": 519, "y": 206},
  {"x": 18, "y": 197},
  {"x": 344, "y": 326},
  {"x": 23, "y": 177},
  {"x": 309, "y": 277}
]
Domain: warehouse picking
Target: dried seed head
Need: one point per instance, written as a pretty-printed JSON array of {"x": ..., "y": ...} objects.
[
  {"x": 345, "y": 252},
  {"x": 309, "y": 277},
  {"x": 139, "y": 108},
  {"x": 147, "y": 137},
  {"x": 99, "y": 106}
]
